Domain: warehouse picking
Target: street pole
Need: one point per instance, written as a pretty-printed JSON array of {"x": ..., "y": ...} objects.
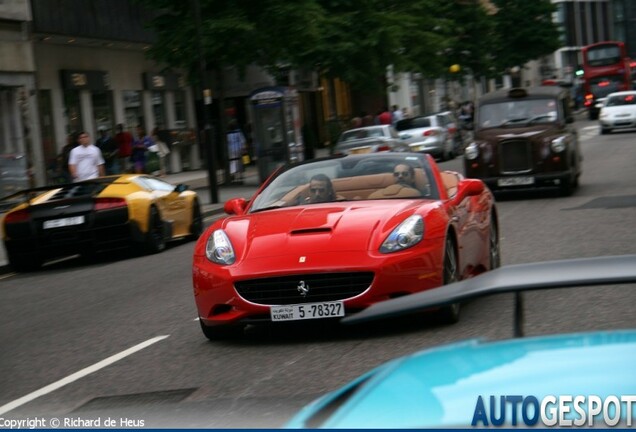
[{"x": 207, "y": 101}]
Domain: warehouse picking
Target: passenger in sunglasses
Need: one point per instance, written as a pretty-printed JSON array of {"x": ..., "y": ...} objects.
[
  {"x": 405, "y": 175},
  {"x": 404, "y": 186}
]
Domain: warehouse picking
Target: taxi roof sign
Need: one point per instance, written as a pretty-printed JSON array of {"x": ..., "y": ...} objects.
[{"x": 517, "y": 93}]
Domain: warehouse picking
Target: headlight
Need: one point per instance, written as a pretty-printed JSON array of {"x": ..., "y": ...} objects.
[
  {"x": 218, "y": 249},
  {"x": 472, "y": 151},
  {"x": 558, "y": 144},
  {"x": 602, "y": 114},
  {"x": 407, "y": 234}
]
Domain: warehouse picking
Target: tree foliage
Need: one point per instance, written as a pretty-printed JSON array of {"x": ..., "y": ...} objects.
[
  {"x": 525, "y": 31},
  {"x": 354, "y": 40}
]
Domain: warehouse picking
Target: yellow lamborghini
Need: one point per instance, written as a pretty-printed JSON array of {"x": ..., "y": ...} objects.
[{"x": 107, "y": 213}]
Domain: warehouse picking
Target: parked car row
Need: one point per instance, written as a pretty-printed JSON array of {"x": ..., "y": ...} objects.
[{"x": 438, "y": 134}]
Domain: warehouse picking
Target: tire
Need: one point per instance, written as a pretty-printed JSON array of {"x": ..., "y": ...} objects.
[
  {"x": 592, "y": 114},
  {"x": 605, "y": 131},
  {"x": 155, "y": 237},
  {"x": 196, "y": 227},
  {"x": 221, "y": 332},
  {"x": 24, "y": 264},
  {"x": 450, "y": 314},
  {"x": 494, "y": 248},
  {"x": 568, "y": 186}
]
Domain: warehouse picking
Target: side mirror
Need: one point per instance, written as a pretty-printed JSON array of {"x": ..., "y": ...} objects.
[
  {"x": 235, "y": 206},
  {"x": 181, "y": 188},
  {"x": 469, "y": 187}
]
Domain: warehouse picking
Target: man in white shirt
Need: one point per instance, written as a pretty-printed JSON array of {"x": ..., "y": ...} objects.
[
  {"x": 396, "y": 115},
  {"x": 85, "y": 161}
]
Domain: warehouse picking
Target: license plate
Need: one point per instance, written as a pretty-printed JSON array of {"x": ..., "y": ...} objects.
[
  {"x": 515, "y": 181},
  {"x": 69, "y": 221},
  {"x": 307, "y": 311},
  {"x": 360, "y": 150}
]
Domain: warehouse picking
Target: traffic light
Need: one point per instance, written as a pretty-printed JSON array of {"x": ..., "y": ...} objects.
[{"x": 579, "y": 71}]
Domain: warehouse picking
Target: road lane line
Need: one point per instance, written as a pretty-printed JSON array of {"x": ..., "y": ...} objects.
[
  {"x": 7, "y": 276},
  {"x": 79, "y": 374}
]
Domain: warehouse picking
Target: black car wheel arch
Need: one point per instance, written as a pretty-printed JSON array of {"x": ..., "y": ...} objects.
[{"x": 155, "y": 237}]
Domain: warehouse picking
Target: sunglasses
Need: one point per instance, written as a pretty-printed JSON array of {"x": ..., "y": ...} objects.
[
  {"x": 401, "y": 174},
  {"x": 317, "y": 190}
]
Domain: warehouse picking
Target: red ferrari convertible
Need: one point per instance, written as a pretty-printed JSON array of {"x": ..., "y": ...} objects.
[{"x": 329, "y": 237}]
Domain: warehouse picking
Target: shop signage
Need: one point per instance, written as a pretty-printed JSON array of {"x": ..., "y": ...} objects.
[
  {"x": 85, "y": 80},
  {"x": 166, "y": 81},
  {"x": 267, "y": 97}
]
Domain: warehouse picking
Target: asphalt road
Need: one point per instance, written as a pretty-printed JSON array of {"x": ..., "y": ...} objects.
[{"x": 84, "y": 322}]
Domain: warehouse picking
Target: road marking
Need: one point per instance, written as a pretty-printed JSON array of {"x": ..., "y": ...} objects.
[
  {"x": 7, "y": 276},
  {"x": 79, "y": 374},
  {"x": 588, "y": 132}
]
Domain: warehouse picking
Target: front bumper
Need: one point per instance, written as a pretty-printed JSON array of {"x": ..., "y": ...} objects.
[
  {"x": 618, "y": 123},
  {"x": 393, "y": 275},
  {"x": 552, "y": 180}
]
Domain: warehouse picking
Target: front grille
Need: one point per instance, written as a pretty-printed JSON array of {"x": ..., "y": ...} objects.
[
  {"x": 515, "y": 156},
  {"x": 321, "y": 287}
]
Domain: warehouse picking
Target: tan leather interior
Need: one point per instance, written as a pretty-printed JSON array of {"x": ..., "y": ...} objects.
[
  {"x": 450, "y": 180},
  {"x": 363, "y": 187}
]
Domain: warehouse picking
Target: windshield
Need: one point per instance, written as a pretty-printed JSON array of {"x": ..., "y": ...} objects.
[
  {"x": 603, "y": 56},
  {"x": 349, "y": 179},
  {"x": 413, "y": 123},
  {"x": 518, "y": 112},
  {"x": 362, "y": 133},
  {"x": 623, "y": 99},
  {"x": 602, "y": 86}
]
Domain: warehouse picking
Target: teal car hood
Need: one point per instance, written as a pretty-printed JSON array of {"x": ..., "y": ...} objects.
[{"x": 439, "y": 387}]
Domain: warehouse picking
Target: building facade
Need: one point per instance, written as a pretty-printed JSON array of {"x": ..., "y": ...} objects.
[
  {"x": 70, "y": 66},
  {"x": 92, "y": 73},
  {"x": 19, "y": 122}
]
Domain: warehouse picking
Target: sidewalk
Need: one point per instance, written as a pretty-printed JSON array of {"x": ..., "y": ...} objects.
[{"x": 198, "y": 181}]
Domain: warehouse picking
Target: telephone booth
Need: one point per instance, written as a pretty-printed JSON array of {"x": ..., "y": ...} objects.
[{"x": 276, "y": 128}]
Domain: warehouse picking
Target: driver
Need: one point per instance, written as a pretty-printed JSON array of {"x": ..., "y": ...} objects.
[{"x": 320, "y": 190}]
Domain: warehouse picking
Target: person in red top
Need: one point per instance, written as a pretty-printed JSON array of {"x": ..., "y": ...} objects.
[
  {"x": 124, "y": 140},
  {"x": 385, "y": 116}
]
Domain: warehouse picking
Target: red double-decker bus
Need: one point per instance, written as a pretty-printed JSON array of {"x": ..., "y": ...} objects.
[{"x": 606, "y": 69}]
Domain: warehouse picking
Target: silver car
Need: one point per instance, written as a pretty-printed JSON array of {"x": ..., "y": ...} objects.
[
  {"x": 618, "y": 111},
  {"x": 370, "y": 139},
  {"x": 426, "y": 134}
]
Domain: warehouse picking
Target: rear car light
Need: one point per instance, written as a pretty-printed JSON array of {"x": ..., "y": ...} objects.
[
  {"x": 384, "y": 148},
  {"x": 109, "y": 203},
  {"x": 429, "y": 133},
  {"x": 17, "y": 216}
]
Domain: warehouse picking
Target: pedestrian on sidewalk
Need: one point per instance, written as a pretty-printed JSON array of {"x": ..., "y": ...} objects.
[
  {"x": 85, "y": 161},
  {"x": 235, "y": 150},
  {"x": 140, "y": 147},
  {"x": 124, "y": 140},
  {"x": 109, "y": 150}
]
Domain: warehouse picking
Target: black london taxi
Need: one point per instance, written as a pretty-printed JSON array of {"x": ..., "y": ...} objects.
[{"x": 524, "y": 139}]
